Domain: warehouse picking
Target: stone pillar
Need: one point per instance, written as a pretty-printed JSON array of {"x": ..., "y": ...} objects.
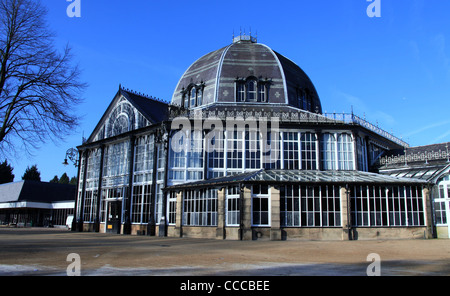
[
  {"x": 179, "y": 215},
  {"x": 275, "y": 230},
  {"x": 99, "y": 190},
  {"x": 75, "y": 214},
  {"x": 129, "y": 194},
  {"x": 427, "y": 210},
  {"x": 80, "y": 219},
  {"x": 345, "y": 214},
  {"x": 246, "y": 214},
  {"x": 221, "y": 202}
]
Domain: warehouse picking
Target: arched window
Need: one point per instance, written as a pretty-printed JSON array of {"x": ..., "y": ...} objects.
[
  {"x": 362, "y": 154},
  {"x": 240, "y": 91},
  {"x": 120, "y": 126},
  {"x": 199, "y": 97},
  {"x": 308, "y": 151},
  {"x": 193, "y": 96},
  {"x": 261, "y": 92},
  {"x": 328, "y": 151},
  {"x": 122, "y": 119},
  {"x": 251, "y": 90},
  {"x": 301, "y": 99},
  {"x": 186, "y": 100},
  {"x": 345, "y": 152},
  {"x": 308, "y": 99}
]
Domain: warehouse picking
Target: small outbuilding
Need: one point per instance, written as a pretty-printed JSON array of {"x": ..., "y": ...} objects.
[{"x": 31, "y": 203}]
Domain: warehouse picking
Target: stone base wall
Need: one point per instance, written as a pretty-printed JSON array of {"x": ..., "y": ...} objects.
[{"x": 290, "y": 233}]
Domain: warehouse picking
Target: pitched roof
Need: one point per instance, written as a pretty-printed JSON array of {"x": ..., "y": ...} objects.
[{"x": 153, "y": 109}]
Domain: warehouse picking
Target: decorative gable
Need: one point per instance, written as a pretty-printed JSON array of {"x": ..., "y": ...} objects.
[{"x": 128, "y": 111}]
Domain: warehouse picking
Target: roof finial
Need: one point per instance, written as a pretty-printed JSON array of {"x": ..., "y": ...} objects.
[{"x": 244, "y": 37}]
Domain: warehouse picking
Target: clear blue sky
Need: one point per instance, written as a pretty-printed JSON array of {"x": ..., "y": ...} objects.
[{"x": 394, "y": 70}]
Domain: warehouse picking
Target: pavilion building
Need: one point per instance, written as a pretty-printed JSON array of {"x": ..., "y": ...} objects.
[{"x": 244, "y": 151}]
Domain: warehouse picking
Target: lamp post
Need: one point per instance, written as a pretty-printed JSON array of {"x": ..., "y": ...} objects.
[{"x": 72, "y": 155}]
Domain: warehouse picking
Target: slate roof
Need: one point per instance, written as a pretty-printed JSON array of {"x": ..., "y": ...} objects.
[
  {"x": 219, "y": 69},
  {"x": 153, "y": 109},
  {"x": 36, "y": 192}
]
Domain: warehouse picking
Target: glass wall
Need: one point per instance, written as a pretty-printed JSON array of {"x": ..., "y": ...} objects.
[
  {"x": 310, "y": 206},
  {"x": 115, "y": 180},
  {"x": 200, "y": 207},
  {"x": 239, "y": 151},
  {"x": 142, "y": 179},
  {"x": 387, "y": 206}
]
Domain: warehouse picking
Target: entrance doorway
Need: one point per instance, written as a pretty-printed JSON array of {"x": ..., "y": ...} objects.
[{"x": 114, "y": 216}]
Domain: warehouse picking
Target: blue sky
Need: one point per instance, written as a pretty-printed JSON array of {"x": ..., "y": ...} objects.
[{"x": 393, "y": 70}]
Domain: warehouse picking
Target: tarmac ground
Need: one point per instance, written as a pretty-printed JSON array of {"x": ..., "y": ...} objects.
[{"x": 46, "y": 251}]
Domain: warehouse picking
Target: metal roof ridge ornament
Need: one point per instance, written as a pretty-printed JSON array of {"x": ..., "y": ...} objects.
[{"x": 245, "y": 38}]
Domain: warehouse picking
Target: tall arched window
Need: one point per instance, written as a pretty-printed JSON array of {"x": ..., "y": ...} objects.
[
  {"x": 251, "y": 91},
  {"x": 308, "y": 151},
  {"x": 301, "y": 99},
  {"x": 308, "y": 100},
  {"x": 186, "y": 100},
  {"x": 261, "y": 92},
  {"x": 199, "y": 97},
  {"x": 193, "y": 96},
  {"x": 362, "y": 154},
  {"x": 345, "y": 152},
  {"x": 240, "y": 91},
  {"x": 328, "y": 151},
  {"x": 120, "y": 125}
]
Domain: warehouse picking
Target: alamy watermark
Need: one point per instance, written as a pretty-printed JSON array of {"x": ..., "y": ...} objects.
[
  {"x": 74, "y": 8},
  {"x": 374, "y": 8},
  {"x": 374, "y": 268},
  {"x": 74, "y": 268}
]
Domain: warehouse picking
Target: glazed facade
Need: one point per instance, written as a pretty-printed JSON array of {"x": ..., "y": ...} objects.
[{"x": 243, "y": 152}]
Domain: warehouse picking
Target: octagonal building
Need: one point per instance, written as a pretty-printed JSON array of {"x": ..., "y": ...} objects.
[{"x": 204, "y": 166}]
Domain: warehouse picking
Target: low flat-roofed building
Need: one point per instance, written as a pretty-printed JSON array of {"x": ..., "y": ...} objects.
[{"x": 32, "y": 203}]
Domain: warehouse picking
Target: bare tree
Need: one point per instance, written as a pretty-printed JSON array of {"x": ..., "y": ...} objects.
[{"x": 39, "y": 86}]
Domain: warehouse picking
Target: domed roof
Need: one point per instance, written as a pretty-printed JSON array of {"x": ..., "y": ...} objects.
[{"x": 248, "y": 73}]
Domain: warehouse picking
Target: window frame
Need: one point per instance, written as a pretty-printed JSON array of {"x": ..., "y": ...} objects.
[{"x": 259, "y": 200}]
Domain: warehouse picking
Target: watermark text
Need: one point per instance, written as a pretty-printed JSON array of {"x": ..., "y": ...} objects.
[
  {"x": 74, "y": 8},
  {"x": 374, "y": 8},
  {"x": 374, "y": 268},
  {"x": 74, "y": 268}
]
